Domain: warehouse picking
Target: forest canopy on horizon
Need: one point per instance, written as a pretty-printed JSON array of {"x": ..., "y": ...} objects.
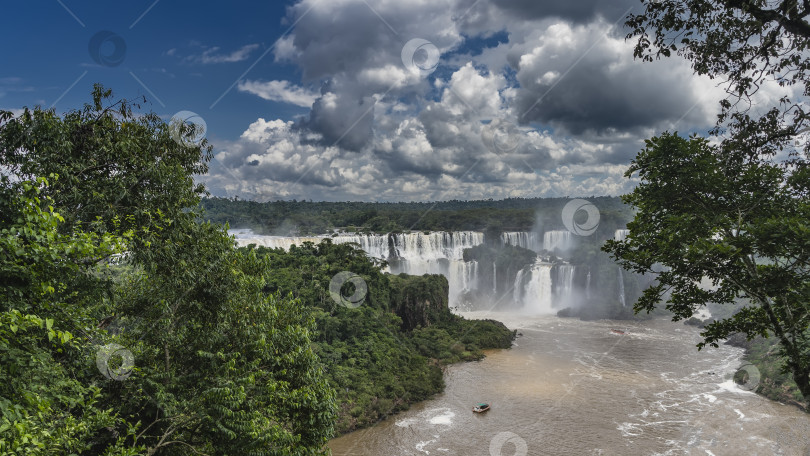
[{"x": 308, "y": 217}]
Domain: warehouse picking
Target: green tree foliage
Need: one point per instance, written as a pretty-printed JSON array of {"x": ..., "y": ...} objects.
[
  {"x": 757, "y": 176},
  {"x": 220, "y": 367},
  {"x": 494, "y": 217},
  {"x": 387, "y": 353},
  {"x": 47, "y": 293},
  {"x": 219, "y": 362},
  {"x": 746, "y": 44},
  {"x": 420, "y": 301},
  {"x": 775, "y": 383},
  {"x": 734, "y": 218},
  {"x": 113, "y": 165}
]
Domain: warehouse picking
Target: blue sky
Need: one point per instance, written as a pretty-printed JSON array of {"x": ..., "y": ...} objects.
[
  {"x": 316, "y": 99},
  {"x": 40, "y": 67}
]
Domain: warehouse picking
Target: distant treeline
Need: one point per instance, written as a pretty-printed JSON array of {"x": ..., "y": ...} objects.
[{"x": 308, "y": 217}]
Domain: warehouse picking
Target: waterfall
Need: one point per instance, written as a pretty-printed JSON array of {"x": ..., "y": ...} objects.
[
  {"x": 620, "y": 235},
  {"x": 274, "y": 242},
  {"x": 411, "y": 246},
  {"x": 374, "y": 245},
  {"x": 564, "y": 286},
  {"x": 535, "y": 295},
  {"x": 556, "y": 240},
  {"x": 436, "y": 245},
  {"x": 517, "y": 289},
  {"x": 463, "y": 275},
  {"x": 434, "y": 253},
  {"x": 527, "y": 240},
  {"x": 494, "y": 278},
  {"x": 588, "y": 285},
  {"x": 416, "y": 253}
]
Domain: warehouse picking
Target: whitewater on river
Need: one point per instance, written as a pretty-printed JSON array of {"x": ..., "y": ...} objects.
[
  {"x": 570, "y": 387},
  {"x": 567, "y": 387}
]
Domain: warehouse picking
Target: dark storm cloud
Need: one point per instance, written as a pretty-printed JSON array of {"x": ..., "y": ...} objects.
[
  {"x": 578, "y": 11},
  {"x": 330, "y": 40},
  {"x": 377, "y": 131},
  {"x": 343, "y": 120},
  {"x": 355, "y": 50},
  {"x": 583, "y": 79},
  {"x": 587, "y": 100}
]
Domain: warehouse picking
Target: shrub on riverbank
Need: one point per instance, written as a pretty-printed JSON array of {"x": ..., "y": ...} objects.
[{"x": 774, "y": 382}]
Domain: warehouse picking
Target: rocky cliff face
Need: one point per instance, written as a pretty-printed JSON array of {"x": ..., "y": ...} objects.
[{"x": 420, "y": 300}]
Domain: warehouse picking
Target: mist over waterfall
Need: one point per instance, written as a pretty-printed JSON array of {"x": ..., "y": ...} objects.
[
  {"x": 621, "y": 235},
  {"x": 494, "y": 277},
  {"x": 588, "y": 284},
  {"x": 515, "y": 271},
  {"x": 557, "y": 240},
  {"x": 526, "y": 239},
  {"x": 437, "y": 252},
  {"x": 563, "y": 284},
  {"x": 535, "y": 288}
]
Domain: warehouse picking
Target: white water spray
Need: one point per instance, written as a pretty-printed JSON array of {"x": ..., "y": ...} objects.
[
  {"x": 525, "y": 239},
  {"x": 556, "y": 240},
  {"x": 564, "y": 286},
  {"x": 535, "y": 295}
]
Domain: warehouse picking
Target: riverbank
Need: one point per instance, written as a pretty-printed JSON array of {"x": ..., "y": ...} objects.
[
  {"x": 421, "y": 338},
  {"x": 774, "y": 384},
  {"x": 368, "y": 394},
  {"x": 761, "y": 353}
]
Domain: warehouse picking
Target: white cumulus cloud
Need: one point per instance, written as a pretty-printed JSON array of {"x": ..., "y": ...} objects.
[{"x": 281, "y": 91}]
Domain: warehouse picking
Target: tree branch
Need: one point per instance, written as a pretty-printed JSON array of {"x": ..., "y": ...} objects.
[{"x": 794, "y": 26}]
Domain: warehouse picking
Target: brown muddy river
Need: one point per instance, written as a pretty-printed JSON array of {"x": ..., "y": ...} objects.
[{"x": 569, "y": 387}]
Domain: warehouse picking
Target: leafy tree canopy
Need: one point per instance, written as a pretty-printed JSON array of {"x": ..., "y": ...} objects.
[
  {"x": 740, "y": 223},
  {"x": 218, "y": 366},
  {"x": 732, "y": 211}
]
